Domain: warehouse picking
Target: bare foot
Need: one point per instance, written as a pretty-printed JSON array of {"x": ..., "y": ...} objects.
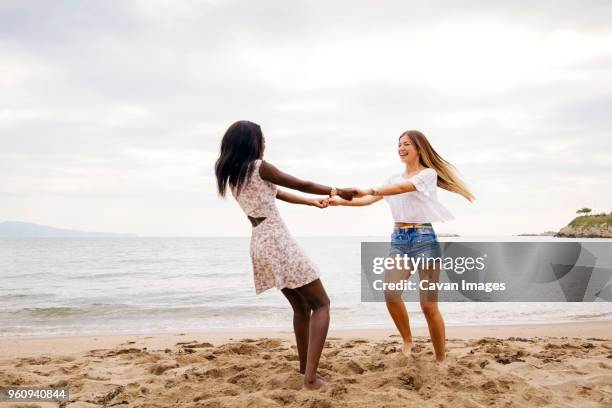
[
  {"x": 318, "y": 376},
  {"x": 318, "y": 383},
  {"x": 325, "y": 380},
  {"x": 407, "y": 348}
]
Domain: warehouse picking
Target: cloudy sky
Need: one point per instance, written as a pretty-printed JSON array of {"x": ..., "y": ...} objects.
[{"x": 111, "y": 112}]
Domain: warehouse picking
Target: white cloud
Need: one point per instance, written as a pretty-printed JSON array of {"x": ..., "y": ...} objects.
[{"x": 117, "y": 108}]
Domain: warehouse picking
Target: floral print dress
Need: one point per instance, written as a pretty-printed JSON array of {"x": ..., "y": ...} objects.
[{"x": 276, "y": 257}]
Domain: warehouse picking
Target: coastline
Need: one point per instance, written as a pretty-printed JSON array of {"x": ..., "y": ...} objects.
[{"x": 68, "y": 345}]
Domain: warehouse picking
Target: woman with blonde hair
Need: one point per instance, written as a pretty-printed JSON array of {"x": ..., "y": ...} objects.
[{"x": 412, "y": 198}]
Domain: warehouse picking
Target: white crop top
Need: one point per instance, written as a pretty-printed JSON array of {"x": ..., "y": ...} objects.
[{"x": 418, "y": 206}]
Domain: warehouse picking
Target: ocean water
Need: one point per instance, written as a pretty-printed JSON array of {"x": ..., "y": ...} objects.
[{"x": 57, "y": 286}]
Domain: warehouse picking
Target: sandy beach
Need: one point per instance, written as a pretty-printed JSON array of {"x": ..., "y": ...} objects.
[{"x": 557, "y": 365}]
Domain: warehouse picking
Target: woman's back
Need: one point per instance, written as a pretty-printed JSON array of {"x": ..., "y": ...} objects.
[{"x": 257, "y": 198}]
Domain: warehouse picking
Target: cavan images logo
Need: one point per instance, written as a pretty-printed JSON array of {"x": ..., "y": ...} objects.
[{"x": 492, "y": 272}]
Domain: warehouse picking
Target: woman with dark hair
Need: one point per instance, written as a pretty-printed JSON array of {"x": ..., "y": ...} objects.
[{"x": 277, "y": 259}]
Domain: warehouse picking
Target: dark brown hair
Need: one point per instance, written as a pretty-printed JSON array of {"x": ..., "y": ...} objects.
[{"x": 241, "y": 145}]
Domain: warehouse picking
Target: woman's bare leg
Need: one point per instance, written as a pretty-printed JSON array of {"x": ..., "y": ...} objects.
[
  {"x": 399, "y": 314},
  {"x": 301, "y": 321},
  {"x": 429, "y": 306},
  {"x": 436, "y": 329},
  {"x": 316, "y": 297},
  {"x": 397, "y": 309}
]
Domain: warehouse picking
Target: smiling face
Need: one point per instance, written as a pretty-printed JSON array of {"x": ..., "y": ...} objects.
[{"x": 406, "y": 150}]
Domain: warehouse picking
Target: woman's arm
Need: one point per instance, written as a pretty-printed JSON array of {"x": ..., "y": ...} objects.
[
  {"x": 390, "y": 189},
  {"x": 270, "y": 173},
  {"x": 356, "y": 202},
  {"x": 295, "y": 199}
]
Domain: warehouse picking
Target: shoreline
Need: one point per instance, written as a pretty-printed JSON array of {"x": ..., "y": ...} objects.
[
  {"x": 561, "y": 365},
  {"x": 76, "y": 344}
]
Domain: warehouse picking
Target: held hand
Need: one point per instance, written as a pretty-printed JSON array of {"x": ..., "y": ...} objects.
[
  {"x": 332, "y": 202},
  {"x": 347, "y": 193},
  {"x": 321, "y": 203}
]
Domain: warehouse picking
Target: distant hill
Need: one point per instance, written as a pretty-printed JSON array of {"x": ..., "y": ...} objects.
[
  {"x": 588, "y": 226},
  {"x": 16, "y": 229}
]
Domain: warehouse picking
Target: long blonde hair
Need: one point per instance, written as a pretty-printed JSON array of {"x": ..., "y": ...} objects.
[{"x": 428, "y": 157}]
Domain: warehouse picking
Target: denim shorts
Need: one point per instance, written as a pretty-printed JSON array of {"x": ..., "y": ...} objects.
[{"x": 415, "y": 242}]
